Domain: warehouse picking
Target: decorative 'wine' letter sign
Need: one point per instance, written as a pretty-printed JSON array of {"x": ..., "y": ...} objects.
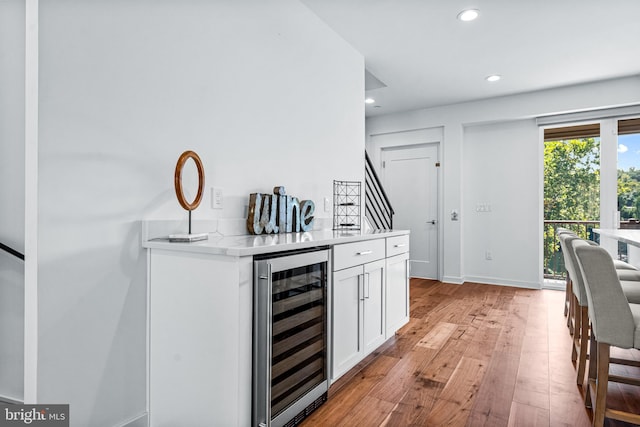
[{"x": 279, "y": 213}]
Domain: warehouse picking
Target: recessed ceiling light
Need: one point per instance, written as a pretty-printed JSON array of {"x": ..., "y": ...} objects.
[
  {"x": 493, "y": 78},
  {"x": 369, "y": 101},
  {"x": 468, "y": 15}
]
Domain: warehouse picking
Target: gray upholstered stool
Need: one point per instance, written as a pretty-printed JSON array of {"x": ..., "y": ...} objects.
[
  {"x": 614, "y": 322},
  {"x": 580, "y": 315},
  {"x": 568, "y": 298}
]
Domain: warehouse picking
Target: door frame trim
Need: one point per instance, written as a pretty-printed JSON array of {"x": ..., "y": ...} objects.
[{"x": 420, "y": 137}]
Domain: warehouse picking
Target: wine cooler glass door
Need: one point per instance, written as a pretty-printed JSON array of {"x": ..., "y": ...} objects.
[{"x": 290, "y": 335}]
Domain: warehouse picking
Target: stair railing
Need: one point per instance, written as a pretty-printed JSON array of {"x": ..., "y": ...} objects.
[
  {"x": 11, "y": 251},
  {"x": 378, "y": 209}
]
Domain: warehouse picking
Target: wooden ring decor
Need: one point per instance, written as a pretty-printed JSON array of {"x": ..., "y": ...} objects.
[{"x": 178, "y": 180}]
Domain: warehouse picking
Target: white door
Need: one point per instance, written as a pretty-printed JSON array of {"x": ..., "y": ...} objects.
[{"x": 410, "y": 178}]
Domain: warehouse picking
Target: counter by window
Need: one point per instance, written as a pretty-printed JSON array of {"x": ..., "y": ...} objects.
[{"x": 609, "y": 238}]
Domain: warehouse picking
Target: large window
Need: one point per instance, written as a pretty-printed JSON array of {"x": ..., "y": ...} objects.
[
  {"x": 591, "y": 180},
  {"x": 571, "y": 188},
  {"x": 629, "y": 172}
]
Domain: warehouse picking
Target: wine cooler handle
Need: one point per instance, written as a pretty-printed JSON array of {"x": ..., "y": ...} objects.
[
  {"x": 263, "y": 333},
  {"x": 269, "y": 336}
]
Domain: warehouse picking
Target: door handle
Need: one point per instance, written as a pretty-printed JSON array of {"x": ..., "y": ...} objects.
[
  {"x": 368, "y": 279},
  {"x": 433, "y": 221}
]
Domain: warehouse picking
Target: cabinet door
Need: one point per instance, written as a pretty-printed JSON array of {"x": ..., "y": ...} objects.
[
  {"x": 397, "y": 293},
  {"x": 347, "y": 319},
  {"x": 373, "y": 305}
]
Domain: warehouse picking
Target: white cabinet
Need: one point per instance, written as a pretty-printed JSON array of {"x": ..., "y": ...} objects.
[
  {"x": 373, "y": 288},
  {"x": 358, "y": 314},
  {"x": 347, "y": 320},
  {"x": 370, "y": 297},
  {"x": 358, "y": 323},
  {"x": 397, "y": 293},
  {"x": 200, "y": 311},
  {"x": 397, "y": 284}
]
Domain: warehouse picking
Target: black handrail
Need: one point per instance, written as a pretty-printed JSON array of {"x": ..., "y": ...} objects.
[
  {"x": 11, "y": 251},
  {"x": 377, "y": 204},
  {"x": 376, "y": 210}
]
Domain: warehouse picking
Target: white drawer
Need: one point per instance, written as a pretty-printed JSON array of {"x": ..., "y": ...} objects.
[
  {"x": 357, "y": 253},
  {"x": 397, "y": 245}
]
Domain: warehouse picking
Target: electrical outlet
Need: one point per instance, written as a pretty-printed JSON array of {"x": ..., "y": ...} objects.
[
  {"x": 327, "y": 204},
  {"x": 488, "y": 255},
  {"x": 483, "y": 207},
  {"x": 216, "y": 198}
]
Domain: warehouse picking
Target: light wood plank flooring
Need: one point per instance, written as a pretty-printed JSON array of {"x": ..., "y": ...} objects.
[{"x": 472, "y": 355}]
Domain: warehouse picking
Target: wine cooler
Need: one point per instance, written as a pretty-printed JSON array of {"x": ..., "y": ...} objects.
[{"x": 290, "y": 336}]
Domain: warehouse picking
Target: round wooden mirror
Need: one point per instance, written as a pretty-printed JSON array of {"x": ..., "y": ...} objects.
[{"x": 178, "y": 180}]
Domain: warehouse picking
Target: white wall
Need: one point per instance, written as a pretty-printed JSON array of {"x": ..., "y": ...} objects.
[
  {"x": 262, "y": 90},
  {"x": 462, "y": 255},
  {"x": 500, "y": 172},
  {"x": 12, "y": 59}
]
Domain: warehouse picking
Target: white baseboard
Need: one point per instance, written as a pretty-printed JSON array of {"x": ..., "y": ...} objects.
[
  {"x": 455, "y": 280},
  {"x": 141, "y": 420},
  {"x": 10, "y": 400},
  {"x": 556, "y": 285},
  {"x": 503, "y": 282}
]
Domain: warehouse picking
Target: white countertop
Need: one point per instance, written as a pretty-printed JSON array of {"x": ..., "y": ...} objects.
[
  {"x": 248, "y": 245},
  {"x": 629, "y": 236}
]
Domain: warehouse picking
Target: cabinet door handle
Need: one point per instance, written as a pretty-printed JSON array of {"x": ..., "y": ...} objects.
[
  {"x": 368, "y": 276},
  {"x": 364, "y": 253},
  {"x": 361, "y": 287},
  {"x": 400, "y": 245}
]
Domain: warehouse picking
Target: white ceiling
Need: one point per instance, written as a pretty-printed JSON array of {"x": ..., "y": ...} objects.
[{"x": 427, "y": 57}]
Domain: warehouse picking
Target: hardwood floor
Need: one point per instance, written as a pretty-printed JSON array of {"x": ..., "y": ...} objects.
[{"x": 471, "y": 355}]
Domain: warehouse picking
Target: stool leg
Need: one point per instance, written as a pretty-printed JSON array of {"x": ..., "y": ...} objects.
[
  {"x": 576, "y": 314},
  {"x": 602, "y": 381},
  {"x": 584, "y": 340},
  {"x": 568, "y": 295},
  {"x": 573, "y": 304},
  {"x": 593, "y": 360}
]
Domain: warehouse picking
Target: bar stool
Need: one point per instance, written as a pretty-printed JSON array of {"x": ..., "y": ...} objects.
[
  {"x": 626, "y": 273},
  {"x": 631, "y": 290},
  {"x": 614, "y": 322},
  {"x": 568, "y": 298}
]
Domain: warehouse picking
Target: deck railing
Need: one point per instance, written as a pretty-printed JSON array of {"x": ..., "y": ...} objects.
[{"x": 553, "y": 259}]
